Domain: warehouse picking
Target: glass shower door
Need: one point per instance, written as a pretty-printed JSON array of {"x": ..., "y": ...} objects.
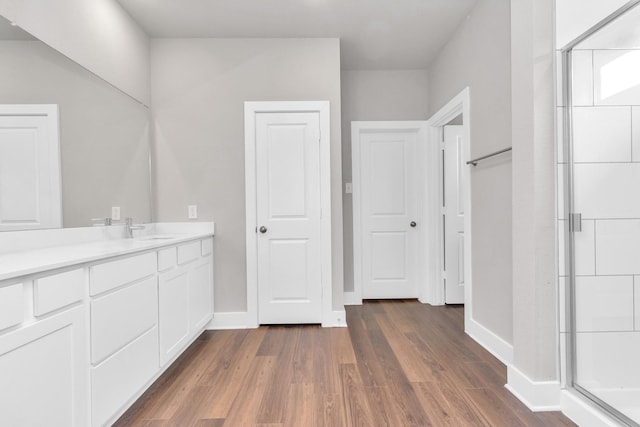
[{"x": 604, "y": 191}]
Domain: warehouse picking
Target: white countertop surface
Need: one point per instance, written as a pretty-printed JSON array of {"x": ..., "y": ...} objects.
[{"x": 17, "y": 264}]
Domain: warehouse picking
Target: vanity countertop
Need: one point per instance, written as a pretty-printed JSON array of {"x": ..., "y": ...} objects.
[{"x": 22, "y": 263}]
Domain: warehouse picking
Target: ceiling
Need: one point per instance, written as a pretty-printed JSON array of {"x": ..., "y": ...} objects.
[{"x": 375, "y": 34}]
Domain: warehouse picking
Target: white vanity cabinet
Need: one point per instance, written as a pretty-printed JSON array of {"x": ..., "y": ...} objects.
[
  {"x": 185, "y": 295},
  {"x": 80, "y": 342},
  {"x": 43, "y": 357}
]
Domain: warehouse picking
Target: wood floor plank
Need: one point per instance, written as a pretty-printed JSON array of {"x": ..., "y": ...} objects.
[
  {"x": 224, "y": 388},
  {"x": 399, "y": 363},
  {"x": 356, "y": 403},
  {"x": 302, "y": 406},
  {"x": 341, "y": 346},
  {"x": 245, "y": 406},
  {"x": 273, "y": 404}
]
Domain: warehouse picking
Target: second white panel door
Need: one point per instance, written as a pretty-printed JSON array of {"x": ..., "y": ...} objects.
[
  {"x": 288, "y": 217},
  {"x": 389, "y": 213},
  {"x": 453, "y": 215}
]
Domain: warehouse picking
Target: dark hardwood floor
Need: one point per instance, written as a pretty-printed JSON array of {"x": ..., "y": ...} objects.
[{"x": 399, "y": 363}]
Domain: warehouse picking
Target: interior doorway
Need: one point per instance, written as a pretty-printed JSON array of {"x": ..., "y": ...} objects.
[{"x": 288, "y": 212}]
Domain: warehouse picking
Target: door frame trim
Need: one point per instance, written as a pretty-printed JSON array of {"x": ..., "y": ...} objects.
[
  {"x": 421, "y": 127},
  {"x": 251, "y": 108},
  {"x": 460, "y": 104}
]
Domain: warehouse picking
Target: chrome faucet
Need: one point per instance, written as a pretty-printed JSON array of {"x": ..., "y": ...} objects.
[{"x": 129, "y": 227}]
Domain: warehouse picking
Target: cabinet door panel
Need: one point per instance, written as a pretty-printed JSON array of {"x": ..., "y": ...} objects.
[
  {"x": 174, "y": 313},
  {"x": 43, "y": 367},
  {"x": 200, "y": 295}
]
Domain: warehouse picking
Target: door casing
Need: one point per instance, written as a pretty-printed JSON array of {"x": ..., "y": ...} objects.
[
  {"x": 430, "y": 284},
  {"x": 251, "y": 109}
]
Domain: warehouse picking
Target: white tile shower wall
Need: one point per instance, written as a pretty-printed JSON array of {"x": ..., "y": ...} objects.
[
  {"x": 603, "y": 190},
  {"x": 618, "y": 247},
  {"x": 608, "y": 359},
  {"x": 604, "y": 303},
  {"x": 616, "y": 74},
  {"x": 582, "y": 89},
  {"x": 606, "y": 125},
  {"x": 602, "y": 134}
]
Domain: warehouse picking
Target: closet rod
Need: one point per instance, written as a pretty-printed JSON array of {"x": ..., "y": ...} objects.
[{"x": 474, "y": 162}]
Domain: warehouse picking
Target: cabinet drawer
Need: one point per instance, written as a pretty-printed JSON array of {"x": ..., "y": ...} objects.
[
  {"x": 122, "y": 376},
  {"x": 11, "y": 305},
  {"x": 112, "y": 274},
  {"x": 120, "y": 317},
  {"x": 207, "y": 247},
  {"x": 166, "y": 258},
  {"x": 189, "y": 252},
  {"x": 59, "y": 290}
]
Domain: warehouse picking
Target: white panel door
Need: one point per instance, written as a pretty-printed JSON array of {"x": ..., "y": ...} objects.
[
  {"x": 389, "y": 209},
  {"x": 29, "y": 168},
  {"x": 453, "y": 215},
  {"x": 288, "y": 217}
]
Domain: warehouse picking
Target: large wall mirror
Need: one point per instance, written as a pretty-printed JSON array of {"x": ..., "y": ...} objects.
[{"x": 104, "y": 136}]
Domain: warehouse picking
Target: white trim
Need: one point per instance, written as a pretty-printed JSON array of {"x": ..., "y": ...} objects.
[
  {"x": 536, "y": 395},
  {"x": 250, "y": 111},
  {"x": 355, "y": 297},
  {"x": 582, "y": 412},
  {"x": 491, "y": 342},
  {"x": 231, "y": 320},
  {"x": 434, "y": 293},
  {"x": 351, "y": 298},
  {"x": 335, "y": 319}
]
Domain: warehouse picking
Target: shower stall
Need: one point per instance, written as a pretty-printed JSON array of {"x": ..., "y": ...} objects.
[{"x": 600, "y": 166}]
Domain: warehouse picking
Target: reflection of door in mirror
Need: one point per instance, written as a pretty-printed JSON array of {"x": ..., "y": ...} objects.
[{"x": 30, "y": 196}]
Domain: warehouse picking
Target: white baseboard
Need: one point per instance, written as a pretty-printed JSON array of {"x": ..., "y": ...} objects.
[
  {"x": 490, "y": 341},
  {"x": 231, "y": 320},
  {"x": 335, "y": 319},
  {"x": 350, "y": 298},
  {"x": 537, "y": 395},
  {"x": 242, "y": 320},
  {"x": 582, "y": 412}
]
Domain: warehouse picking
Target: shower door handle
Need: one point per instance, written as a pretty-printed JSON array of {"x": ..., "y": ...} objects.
[{"x": 575, "y": 222}]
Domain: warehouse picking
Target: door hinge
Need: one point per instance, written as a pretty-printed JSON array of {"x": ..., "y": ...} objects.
[{"x": 575, "y": 222}]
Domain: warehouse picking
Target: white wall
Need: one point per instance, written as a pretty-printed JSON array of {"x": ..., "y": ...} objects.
[
  {"x": 97, "y": 34},
  {"x": 199, "y": 87},
  {"x": 534, "y": 270},
  {"x": 375, "y": 95},
  {"x": 478, "y": 56},
  {"x": 104, "y": 134}
]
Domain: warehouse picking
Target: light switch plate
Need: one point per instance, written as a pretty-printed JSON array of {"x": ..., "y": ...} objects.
[
  {"x": 193, "y": 211},
  {"x": 115, "y": 213},
  {"x": 348, "y": 188}
]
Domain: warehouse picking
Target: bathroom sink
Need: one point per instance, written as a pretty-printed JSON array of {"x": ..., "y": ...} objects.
[{"x": 155, "y": 237}]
